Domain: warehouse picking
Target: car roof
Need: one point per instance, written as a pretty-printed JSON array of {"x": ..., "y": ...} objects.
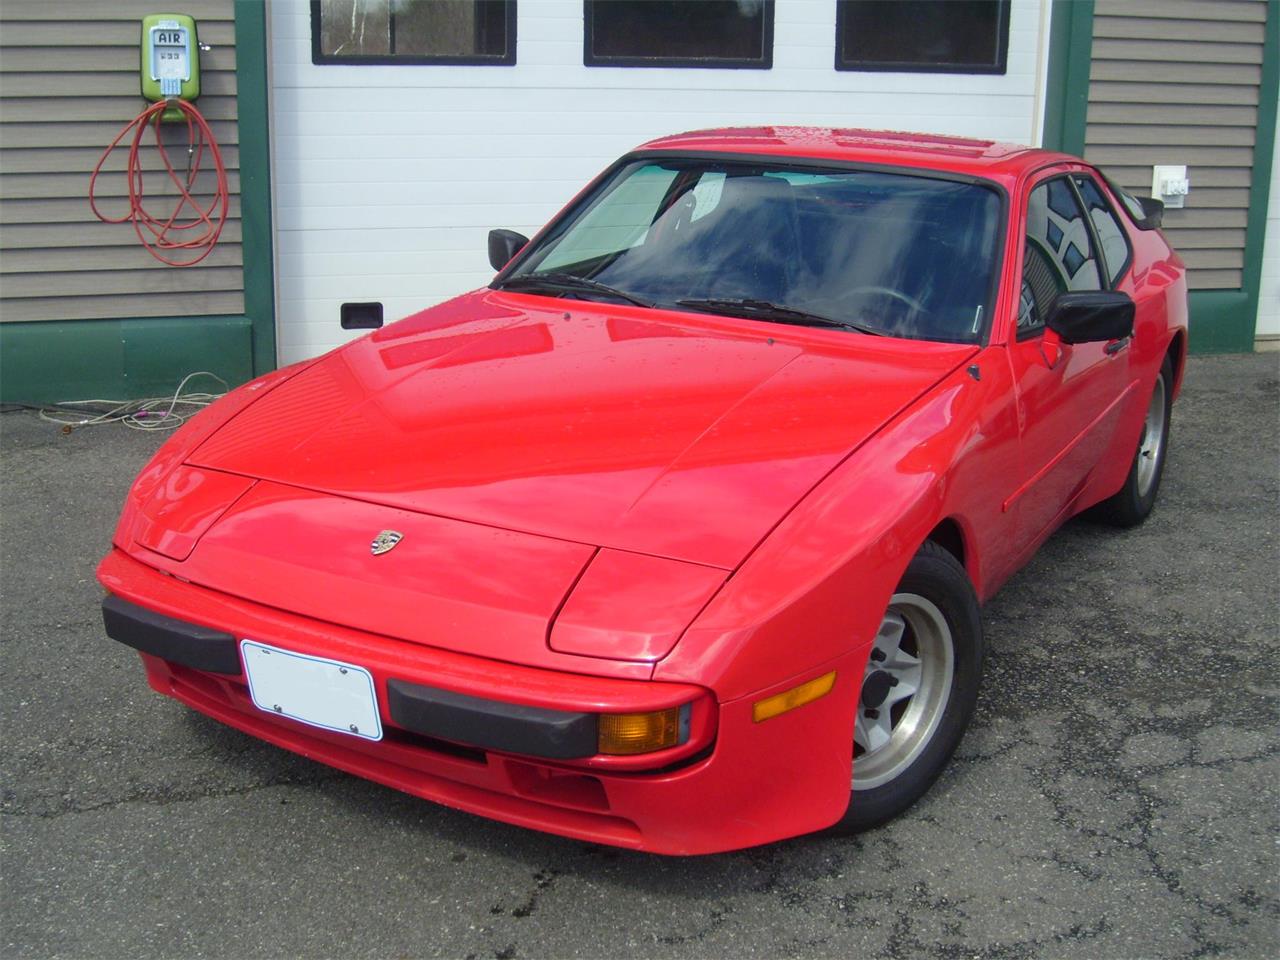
[{"x": 958, "y": 154}]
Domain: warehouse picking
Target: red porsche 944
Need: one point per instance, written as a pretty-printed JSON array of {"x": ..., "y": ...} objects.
[{"x": 674, "y": 535}]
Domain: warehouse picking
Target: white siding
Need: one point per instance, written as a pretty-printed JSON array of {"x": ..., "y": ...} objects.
[
  {"x": 388, "y": 178},
  {"x": 1269, "y": 302}
]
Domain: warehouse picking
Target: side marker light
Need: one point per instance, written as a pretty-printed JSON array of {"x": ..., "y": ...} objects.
[{"x": 780, "y": 703}]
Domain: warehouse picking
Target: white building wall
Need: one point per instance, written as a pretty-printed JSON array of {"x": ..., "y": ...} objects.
[
  {"x": 1268, "y": 327},
  {"x": 388, "y": 178}
]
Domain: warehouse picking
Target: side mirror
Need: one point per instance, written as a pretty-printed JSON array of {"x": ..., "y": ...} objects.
[
  {"x": 503, "y": 245},
  {"x": 1091, "y": 316}
]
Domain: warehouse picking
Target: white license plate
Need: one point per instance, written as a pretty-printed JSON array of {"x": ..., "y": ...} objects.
[{"x": 323, "y": 693}]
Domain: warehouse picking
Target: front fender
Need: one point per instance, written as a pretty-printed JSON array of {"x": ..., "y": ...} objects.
[
  {"x": 175, "y": 450},
  {"x": 817, "y": 588}
]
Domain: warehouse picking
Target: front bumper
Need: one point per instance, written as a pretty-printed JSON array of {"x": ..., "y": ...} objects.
[
  {"x": 543, "y": 732},
  {"x": 754, "y": 783}
]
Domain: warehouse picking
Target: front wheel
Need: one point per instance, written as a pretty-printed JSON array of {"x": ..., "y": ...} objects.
[{"x": 919, "y": 689}]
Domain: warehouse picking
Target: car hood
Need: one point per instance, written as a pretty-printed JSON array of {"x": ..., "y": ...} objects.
[{"x": 666, "y": 434}]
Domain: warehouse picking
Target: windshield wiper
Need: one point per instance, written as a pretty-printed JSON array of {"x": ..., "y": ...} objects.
[
  {"x": 567, "y": 283},
  {"x": 767, "y": 310}
]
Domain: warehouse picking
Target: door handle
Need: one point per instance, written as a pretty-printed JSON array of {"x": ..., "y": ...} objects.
[{"x": 1115, "y": 346}]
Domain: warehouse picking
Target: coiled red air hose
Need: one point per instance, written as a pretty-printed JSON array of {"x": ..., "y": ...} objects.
[{"x": 191, "y": 226}]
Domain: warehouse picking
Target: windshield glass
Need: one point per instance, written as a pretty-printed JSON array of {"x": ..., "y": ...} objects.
[{"x": 894, "y": 253}]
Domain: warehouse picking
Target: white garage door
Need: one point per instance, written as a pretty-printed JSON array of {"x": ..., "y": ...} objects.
[{"x": 389, "y": 175}]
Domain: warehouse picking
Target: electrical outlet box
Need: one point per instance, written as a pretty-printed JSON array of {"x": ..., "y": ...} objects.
[
  {"x": 170, "y": 59},
  {"x": 1170, "y": 184}
]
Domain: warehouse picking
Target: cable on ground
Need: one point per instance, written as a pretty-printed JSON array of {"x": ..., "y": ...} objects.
[{"x": 153, "y": 413}]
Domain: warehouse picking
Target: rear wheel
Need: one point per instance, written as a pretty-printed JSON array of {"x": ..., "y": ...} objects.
[
  {"x": 919, "y": 689},
  {"x": 1135, "y": 500}
]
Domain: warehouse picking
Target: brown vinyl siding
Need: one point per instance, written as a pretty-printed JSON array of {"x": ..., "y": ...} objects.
[
  {"x": 1177, "y": 81},
  {"x": 68, "y": 83}
]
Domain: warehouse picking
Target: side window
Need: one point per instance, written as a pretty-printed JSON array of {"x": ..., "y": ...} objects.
[
  {"x": 923, "y": 36},
  {"x": 1131, "y": 203},
  {"x": 678, "y": 33},
  {"x": 1115, "y": 245},
  {"x": 413, "y": 31},
  {"x": 1059, "y": 255}
]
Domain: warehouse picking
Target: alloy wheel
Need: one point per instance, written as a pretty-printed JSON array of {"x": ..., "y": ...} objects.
[{"x": 905, "y": 690}]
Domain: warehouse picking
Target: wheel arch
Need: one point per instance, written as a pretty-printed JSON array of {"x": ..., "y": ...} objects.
[
  {"x": 950, "y": 536},
  {"x": 1177, "y": 354}
]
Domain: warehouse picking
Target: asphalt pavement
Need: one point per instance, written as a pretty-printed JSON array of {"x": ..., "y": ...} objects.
[{"x": 1116, "y": 797}]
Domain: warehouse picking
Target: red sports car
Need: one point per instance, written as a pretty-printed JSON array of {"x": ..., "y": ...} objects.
[{"x": 674, "y": 536}]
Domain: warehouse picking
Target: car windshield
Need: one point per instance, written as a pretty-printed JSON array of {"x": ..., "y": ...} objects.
[{"x": 900, "y": 254}]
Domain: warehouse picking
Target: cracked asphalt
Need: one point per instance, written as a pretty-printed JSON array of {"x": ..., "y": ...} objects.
[{"x": 1116, "y": 796}]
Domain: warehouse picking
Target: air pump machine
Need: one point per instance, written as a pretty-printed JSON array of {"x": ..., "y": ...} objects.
[{"x": 170, "y": 79}]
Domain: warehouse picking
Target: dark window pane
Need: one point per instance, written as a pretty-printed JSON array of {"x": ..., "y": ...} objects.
[
  {"x": 961, "y": 36},
  {"x": 422, "y": 31},
  {"x": 1062, "y": 201},
  {"x": 1073, "y": 259},
  {"x": 659, "y": 33},
  {"x": 1054, "y": 235}
]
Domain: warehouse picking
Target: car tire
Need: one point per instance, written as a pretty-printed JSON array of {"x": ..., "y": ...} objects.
[
  {"x": 1135, "y": 500},
  {"x": 931, "y": 640}
]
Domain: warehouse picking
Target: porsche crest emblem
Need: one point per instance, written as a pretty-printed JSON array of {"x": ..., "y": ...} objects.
[{"x": 385, "y": 541}]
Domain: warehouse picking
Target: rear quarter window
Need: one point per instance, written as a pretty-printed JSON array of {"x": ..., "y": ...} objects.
[{"x": 1115, "y": 243}]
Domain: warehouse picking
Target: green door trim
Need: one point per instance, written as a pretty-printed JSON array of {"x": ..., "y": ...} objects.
[
  {"x": 1255, "y": 236},
  {"x": 1066, "y": 102},
  {"x": 1222, "y": 321},
  {"x": 48, "y": 361},
  {"x": 255, "y": 180}
]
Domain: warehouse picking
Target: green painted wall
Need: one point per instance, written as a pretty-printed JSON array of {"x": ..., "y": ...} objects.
[
  {"x": 139, "y": 357},
  {"x": 1222, "y": 321},
  {"x": 119, "y": 359}
]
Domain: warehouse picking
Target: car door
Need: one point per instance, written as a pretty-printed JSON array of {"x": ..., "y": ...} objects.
[{"x": 1067, "y": 395}]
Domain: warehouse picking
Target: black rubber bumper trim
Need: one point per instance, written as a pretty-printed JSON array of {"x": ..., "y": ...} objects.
[
  {"x": 174, "y": 640},
  {"x": 492, "y": 724}
]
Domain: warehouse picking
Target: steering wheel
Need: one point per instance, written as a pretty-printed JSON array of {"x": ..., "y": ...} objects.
[{"x": 911, "y": 302}]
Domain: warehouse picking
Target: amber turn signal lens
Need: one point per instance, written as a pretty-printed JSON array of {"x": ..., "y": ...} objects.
[
  {"x": 795, "y": 697},
  {"x": 628, "y": 733}
]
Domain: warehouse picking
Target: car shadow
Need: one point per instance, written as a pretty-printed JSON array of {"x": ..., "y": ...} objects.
[{"x": 448, "y": 834}]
